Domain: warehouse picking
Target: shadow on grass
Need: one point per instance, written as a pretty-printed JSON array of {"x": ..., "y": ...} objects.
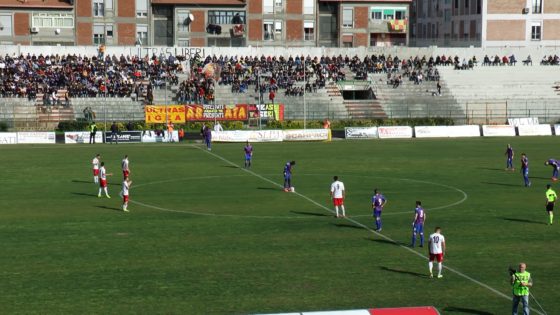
[
  {"x": 83, "y": 181},
  {"x": 311, "y": 213},
  {"x": 491, "y": 169},
  {"x": 83, "y": 194},
  {"x": 463, "y": 310},
  {"x": 110, "y": 208},
  {"x": 384, "y": 241},
  {"x": 349, "y": 226},
  {"x": 537, "y": 177},
  {"x": 406, "y": 272},
  {"x": 502, "y": 184},
  {"x": 230, "y": 166},
  {"x": 522, "y": 220},
  {"x": 268, "y": 188}
]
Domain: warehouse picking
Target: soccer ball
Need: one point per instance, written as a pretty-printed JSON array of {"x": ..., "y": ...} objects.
[{"x": 292, "y": 189}]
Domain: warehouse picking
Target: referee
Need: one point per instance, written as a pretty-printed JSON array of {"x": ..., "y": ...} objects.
[{"x": 550, "y": 199}]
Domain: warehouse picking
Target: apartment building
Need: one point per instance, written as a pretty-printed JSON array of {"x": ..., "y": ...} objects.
[
  {"x": 485, "y": 23},
  {"x": 197, "y": 23}
]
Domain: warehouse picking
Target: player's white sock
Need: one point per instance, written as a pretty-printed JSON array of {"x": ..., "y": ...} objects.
[
  {"x": 343, "y": 210},
  {"x": 440, "y": 267},
  {"x": 95, "y": 180},
  {"x": 100, "y": 190},
  {"x": 336, "y": 209},
  {"x": 106, "y": 192},
  {"x": 431, "y": 266}
]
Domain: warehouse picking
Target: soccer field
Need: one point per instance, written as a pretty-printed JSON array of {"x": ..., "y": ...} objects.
[{"x": 207, "y": 237}]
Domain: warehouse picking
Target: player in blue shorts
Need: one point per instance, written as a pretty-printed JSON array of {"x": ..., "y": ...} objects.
[
  {"x": 509, "y": 162},
  {"x": 418, "y": 224},
  {"x": 555, "y": 165},
  {"x": 288, "y": 175},
  {"x": 525, "y": 169},
  {"x": 378, "y": 201},
  {"x": 248, "y": 154}
]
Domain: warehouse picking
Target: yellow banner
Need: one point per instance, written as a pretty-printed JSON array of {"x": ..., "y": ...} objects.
[{"x": 156, "y": 114}]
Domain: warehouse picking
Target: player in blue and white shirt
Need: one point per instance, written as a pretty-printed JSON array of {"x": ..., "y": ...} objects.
[
  {"x": 248, "y": 154},
  {"x": 555, "y": 165},
  {"x": 509, "y": 162},
  {"x": 378, "y": 201},
  {"x": 418, "y": 224},
  {"x": 525, "y": 169},
  {"x": 288, "y": 176}
]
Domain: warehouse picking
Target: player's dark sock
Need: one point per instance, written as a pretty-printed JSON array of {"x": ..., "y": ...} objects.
[{"x": 413, "y": 240}]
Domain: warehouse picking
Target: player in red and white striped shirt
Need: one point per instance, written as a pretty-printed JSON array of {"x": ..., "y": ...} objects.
[
  {"x": 95, "y": 164},
  {"x": 124, "y": 165},
  {"x": 103, "y": 181},
  {"x": 125, "y": 188}
]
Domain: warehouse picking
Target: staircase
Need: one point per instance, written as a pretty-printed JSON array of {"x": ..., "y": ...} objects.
[
  {"x": 50, "y": 116},
  {"x": 365, "y": 109}
]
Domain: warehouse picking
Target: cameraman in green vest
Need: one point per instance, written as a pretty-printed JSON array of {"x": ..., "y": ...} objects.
[{"x": 521, "y": 281}]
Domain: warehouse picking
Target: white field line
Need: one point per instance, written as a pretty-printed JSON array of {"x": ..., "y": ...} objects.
[{"x": 455, "y": 271}]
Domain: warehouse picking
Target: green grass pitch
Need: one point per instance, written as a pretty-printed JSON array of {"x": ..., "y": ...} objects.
[{"x": 206, "y": 237}]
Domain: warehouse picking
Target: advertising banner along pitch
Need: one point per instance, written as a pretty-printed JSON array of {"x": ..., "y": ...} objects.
[
  {"x": 158, "y": 114},
  {"x": 216, "y": 112}
]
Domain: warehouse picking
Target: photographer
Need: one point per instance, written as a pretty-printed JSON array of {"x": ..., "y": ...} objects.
[{"x": 521, "y": 281}]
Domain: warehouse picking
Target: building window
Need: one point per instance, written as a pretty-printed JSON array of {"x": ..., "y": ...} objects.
[
  {"x": 183, "y": 42},
  {"x": 99, "y": 34},
  {"x": 400, "y": 14},
  {"x": 53, "y": 20},
  {"x": 268, "y": 30},
  {"x": 376, "y": 15},
  {"x": 478, "y": 6},
  {"x": 109, "y": 5},
  {"x": 183, "y": 21},
  {"x": 536, "y": 31},
  {"x": 537, "y": 6},
  {"x": 347, "y": 17},
  {"x": 6, "y": 27},
  {"x": 226, "y": 17},
  {"x": 141, "y": 8},
  {"x": 309, "y": 30},
  {"x": 308, "y": 6},
  {"x": 389, "y": 15},
  {"x": 141, "y": 34},
  {"x": 109, "y": 30},
  {"x": 456, "y": 4},
  {"x": 278, "y": 29},
  {"x": 467, "y": 3},
  {"x": 268, "y": 6},
  {"x": 98, "y": 8},
  {"x": 278, "y": 5}
]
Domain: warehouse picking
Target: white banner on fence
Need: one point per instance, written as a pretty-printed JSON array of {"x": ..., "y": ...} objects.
[
  {"x": 306, "y": 135},
  {"x": 498, "y": 131},
  {"x": 8, "y": 138},
  {"x": 73, "y": 137},
  {"x": 247, "y": 135},
  {"x": 394, "y": 132},
  {"x": 523, "y": 121},
  {"x": 150, "y": 136},
  {"x": 36, "y": 137},
  {"x": 447, "y": 131},
  {"x": 534, "y": 130},
  {"x": 361, "y": 133},
  {"x": 557, "y": 130}
]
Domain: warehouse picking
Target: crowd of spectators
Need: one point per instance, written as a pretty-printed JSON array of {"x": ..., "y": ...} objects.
[{"x": 28, "y": 76}]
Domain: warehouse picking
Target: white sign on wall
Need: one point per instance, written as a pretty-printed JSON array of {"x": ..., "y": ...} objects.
[
  {"x": 361, "y": 133},
  {"x": 391, "y": 132},
  {"x": 36, "y": 137},
  {"x": 534, "y": 130},
  {"x": 8, "y": 138},
  {"x": 498, "y": 131}
]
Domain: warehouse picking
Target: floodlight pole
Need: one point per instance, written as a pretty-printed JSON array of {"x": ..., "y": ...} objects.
[{"x": 304, "y": 92}]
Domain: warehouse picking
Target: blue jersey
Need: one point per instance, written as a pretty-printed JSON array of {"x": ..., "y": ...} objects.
[
  {"x": 509, "y": 152},
  {"x": 288, "y": 169},
  {"x": 524, "y": 163},
  {"x": 553, "y": 162},
  {"x": 420, "y": 217},
  {"x": 377, "y": 201},
  {"x": 248, "y": 149}
]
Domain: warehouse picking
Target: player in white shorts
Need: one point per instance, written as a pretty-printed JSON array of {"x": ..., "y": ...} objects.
[
  {"x": 125, "y": 188},
  {"x": 124, "y": 165},
  {"x": 436, "y": 244},
  {"x": 95, "y": 162},
  {"x": 103, "y": 181},
  {"x": 337, "y": 195}
]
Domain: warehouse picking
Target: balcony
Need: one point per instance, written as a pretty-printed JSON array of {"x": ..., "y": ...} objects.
[
  {"x": 226, "y": 30},
  {"x": 388, "y": 26}
]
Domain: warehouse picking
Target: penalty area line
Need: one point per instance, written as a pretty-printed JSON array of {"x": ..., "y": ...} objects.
[{"x": 365, "y": 227}]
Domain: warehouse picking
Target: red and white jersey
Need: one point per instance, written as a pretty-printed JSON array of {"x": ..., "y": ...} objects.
[
  {"x": 95, "y": 163},
  {"x": 102, "y": 173},
  {"x": 124, "y": 164},
  {"x": 436, "y": 243},
  {"x": 337, "y": 189},
  {"x": 125, "y": 188}
]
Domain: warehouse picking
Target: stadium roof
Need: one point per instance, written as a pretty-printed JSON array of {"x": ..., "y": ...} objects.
[
  {"x": 201, "y": 2},
  {"x": 44, "y": 4}
]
